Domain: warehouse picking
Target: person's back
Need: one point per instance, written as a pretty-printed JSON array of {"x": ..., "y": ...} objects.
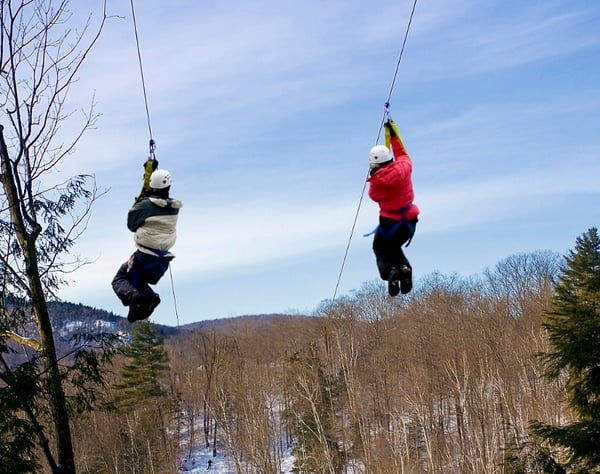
[
  {"x": 153, "y": 221},
  {"x": 391, "y": 187}
]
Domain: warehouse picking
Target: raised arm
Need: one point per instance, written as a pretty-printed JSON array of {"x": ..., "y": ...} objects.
[{"x": 394, "y": 141}]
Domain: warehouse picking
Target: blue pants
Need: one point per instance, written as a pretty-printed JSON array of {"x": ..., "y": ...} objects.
[{"x": 135, "y": 275}]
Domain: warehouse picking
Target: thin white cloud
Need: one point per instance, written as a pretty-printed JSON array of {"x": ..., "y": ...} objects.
[{"x": 462, "y": 204}]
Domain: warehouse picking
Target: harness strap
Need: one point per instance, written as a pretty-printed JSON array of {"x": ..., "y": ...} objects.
[
  {"x": 388, "y": 234},
  {"x": 161, "y": 254},
  {"x": 411, "y": 227}
]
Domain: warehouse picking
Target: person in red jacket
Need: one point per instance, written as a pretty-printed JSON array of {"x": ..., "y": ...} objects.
[{"x": 390, "y": 186}]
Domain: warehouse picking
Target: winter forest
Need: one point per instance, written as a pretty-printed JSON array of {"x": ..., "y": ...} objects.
[{"x": 495, "y": 373}]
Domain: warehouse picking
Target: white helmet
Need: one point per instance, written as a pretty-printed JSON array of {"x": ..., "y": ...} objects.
[
  {"x": 378, "y": 155},
  {"x": 160, "y": 179}
]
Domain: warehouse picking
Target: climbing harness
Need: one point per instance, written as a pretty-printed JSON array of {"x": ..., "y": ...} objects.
[
  {"x": 385, "y": 116},
  {"x": 389, "y": 232},
  {"x": 157, "y": 252}
]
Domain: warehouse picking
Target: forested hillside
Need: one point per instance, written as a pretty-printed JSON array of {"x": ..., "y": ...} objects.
[{"x": 446, "y": 380}]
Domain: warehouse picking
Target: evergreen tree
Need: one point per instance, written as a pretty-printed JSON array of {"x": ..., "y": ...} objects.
[
  {"x": 17, "y": 434},
  {"x": 573, "y": 326},
  {"x": 145, "y": 411},
  {"x": 141, "y": 378}
]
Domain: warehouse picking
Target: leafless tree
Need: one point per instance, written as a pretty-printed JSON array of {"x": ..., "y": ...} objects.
[
  {"x": 41, "y": 213},
  {"x": 521, "y": 278}
]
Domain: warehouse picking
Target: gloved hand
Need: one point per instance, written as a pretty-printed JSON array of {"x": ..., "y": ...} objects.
[
  {"x": 391, "y": 128},
  {"x": 151, "y": 164}
]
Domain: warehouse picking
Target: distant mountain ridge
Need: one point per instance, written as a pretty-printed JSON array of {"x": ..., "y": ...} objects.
[{"x": 68, "y": 318}]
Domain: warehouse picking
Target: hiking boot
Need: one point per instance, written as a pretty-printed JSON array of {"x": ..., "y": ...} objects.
[
  {"x": 136, "y": 308},
  {"x": 152, "y": 301},
  {"x": 393, "y": 284},
  {"x": 125, "y": 299},
  {"x": 405, "y": 279},
  {"x": 393, "y": 287}
]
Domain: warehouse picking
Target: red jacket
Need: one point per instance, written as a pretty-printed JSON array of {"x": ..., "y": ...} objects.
[{"x": 391, "y": 186}]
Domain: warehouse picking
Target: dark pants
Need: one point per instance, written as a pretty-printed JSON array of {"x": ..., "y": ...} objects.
[
  {"x": 387, "y": 245},
  {"x": 135, "y": 275}
]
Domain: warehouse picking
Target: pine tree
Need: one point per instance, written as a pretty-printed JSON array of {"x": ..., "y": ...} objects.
[
  {"x": 145, "y": 412},
  {"x": 141, "y": 378},
  {"x": 573, "y": 326},
  {"x": 17, "y": 434}
]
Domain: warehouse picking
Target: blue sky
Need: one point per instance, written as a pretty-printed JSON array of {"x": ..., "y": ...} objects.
[{"x": 265, "y": 112}]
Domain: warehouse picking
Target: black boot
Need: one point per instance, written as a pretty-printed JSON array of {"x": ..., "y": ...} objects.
[
  {"x": 393, "y": 285},
  {"x": 405, "y": 279},
  {"x": 152, "y": 301},
  {"x": 137, "y": 307},
  {"x": 142, "y": 305}
]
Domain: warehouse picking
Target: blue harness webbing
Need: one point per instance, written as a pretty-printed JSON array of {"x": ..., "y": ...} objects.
[
  {"x": 389, "y": 233},
  {"x": 159, "y": 253}
]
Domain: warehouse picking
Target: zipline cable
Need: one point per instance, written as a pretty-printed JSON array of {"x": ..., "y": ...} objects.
[
  {"x": 139, "y": 54},
  {"x": 174, "y": 297},
  {"x": 152, "y": 143},
  {"x": 385, "y": 113}
]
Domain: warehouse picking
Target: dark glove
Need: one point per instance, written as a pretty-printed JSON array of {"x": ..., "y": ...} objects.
[
  {"x": 391, "y": 128},
  {"x": 151, "y": 164}
]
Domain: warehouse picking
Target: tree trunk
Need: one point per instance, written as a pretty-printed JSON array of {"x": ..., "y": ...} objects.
[
  {"x": 27, "y": 240},
  {"x": 214, "y": 450}
]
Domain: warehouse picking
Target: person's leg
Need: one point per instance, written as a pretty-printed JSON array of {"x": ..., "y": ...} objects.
[
  {"x": 150, "y": 300},
  {"x": 148, "y": 270},
  {"x": 399, "y": 259},
  {"x": 392, "y": 263},
  {"x": 384, "y": 255},
  {"x": 397, "y": 256},
  {"x": 122, "y": 284},
  {"x": 382, "y": 250},
  {"x": 402, "y": 269}
]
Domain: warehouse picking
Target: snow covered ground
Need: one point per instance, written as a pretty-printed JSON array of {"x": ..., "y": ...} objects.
[{"x": 198, "y": 462}]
